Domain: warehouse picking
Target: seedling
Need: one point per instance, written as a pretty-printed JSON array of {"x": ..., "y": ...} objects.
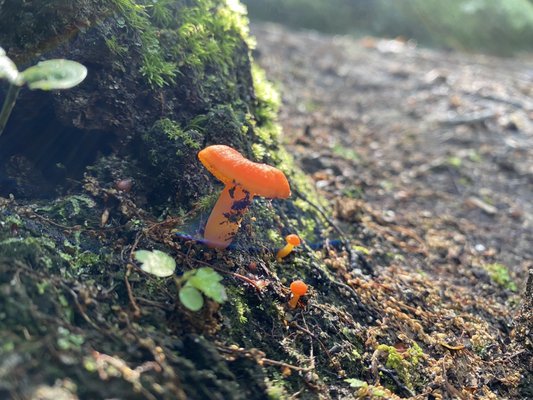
[
  {"x": 200, "y": 281},
  {"x": 192, "y": 285},
  {"x": 46, "y": 75}
]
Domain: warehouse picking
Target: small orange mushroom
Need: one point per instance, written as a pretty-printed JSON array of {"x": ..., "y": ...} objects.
[
  {"x": 292, "y": 241},
  {"x": 298, "y": 289},
  {"x": 243, "y": 180}
]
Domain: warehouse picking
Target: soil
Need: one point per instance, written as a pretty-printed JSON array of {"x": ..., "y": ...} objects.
[{"x": 433, "y": 151}]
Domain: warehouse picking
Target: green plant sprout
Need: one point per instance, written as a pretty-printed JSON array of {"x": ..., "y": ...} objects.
[
  {"x": 200, "y": 281},
  {"x": 192, "y": 285},
  {"x": 364, "y": 390},
  {"x": 45, "y": 75}
]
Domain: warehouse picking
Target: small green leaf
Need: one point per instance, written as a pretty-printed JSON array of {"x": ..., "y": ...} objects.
[
  {"x": 156, "y": 262},
  {"x": 356, "y": 383},
  {"x": 54, "y": 74},
  {"x": 191, "y": 298},
  {"x": 8, "y": 69},
  {"x": 208, "y": 274},
  {"x": 208, "y": 282}
]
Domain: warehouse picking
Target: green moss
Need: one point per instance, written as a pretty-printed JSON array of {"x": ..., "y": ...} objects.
[
  {"x": 268, "y": 98},
  {"x": 77, "y": 258},
  {"x": 71, "y": 210},
  {"x": 275, "y": 237},
  {"x": 499, "y": 274},
  {"x": 175, "y": 133},
  {"x": 67, "y": 340},
  {"x": 155, "y": 66},
  {"x": 276, "y": 390},
  {"x": 259, "y": 151},
  {"x": 12, "y": 219},
  {"x": 207, "y": 202},
  {"x": 166, "y": 141},
  {"x": 16, "y": 246},
  {"x": 115, "y": 47},
  {"x": 405, "y": 364},
  {"x": 237, "y": 301},
  {"x": 202, "y": 26},
  {"x": 160, "y": 12}
]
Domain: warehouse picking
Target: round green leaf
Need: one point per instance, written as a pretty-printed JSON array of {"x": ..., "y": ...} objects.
[
  {"x": 156, "y": 262},
  {"x": 54, "y": 74},
  {"x": 207, "y": 281},
  {"x": 191, "y": 298}
]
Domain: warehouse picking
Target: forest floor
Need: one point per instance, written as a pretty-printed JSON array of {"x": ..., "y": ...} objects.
[
  {"x": 416, "y": 257},
  {"x": 433, "y": 151}
]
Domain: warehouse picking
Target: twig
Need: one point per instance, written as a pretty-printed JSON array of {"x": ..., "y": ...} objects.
[
  {"x": 396, "y": 381},
  {"x": 136, "y": 309},
  {"x": 469, "y": 119},
  {"x": 258, "y": 356},
  {"x": 496, "y": 99},
  {"x": 80, "y": 309},
  {"x": 282, "y": 364}
]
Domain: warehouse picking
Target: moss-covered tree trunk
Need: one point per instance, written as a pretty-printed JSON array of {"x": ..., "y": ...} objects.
[{"x": 77, "y": 316}]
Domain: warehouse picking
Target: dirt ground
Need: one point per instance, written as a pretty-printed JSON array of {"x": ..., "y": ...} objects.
[{"x": 432, "y": 150}]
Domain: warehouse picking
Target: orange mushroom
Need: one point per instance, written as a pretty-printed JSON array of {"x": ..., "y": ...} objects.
[
  {"x": 298, "y": 289},
  {"x": 292, "y": 241},
  {"x": 243, "y": 179}
]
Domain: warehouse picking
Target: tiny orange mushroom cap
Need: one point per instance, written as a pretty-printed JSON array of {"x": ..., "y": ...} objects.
[
  {"x": 298, "y": 289},
  {"x": 292, "y": 241},
  {"x": 243, "y": 179}
]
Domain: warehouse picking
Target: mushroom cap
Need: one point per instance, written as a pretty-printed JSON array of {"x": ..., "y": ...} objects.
[
  {"x": 293, "y": 239},
  {"x": 298, "y": 288},
  {"x": 228, "y": 165}
]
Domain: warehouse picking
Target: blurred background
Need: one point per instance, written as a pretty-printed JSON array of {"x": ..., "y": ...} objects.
[{"x": 498, "y": 27}]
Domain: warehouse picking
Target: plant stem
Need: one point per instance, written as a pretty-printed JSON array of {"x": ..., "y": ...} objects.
[{"x": 9, "y": 103}]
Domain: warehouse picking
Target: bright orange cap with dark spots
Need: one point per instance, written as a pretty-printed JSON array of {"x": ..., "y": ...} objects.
[
  {"x": 243, "y": 179},
  {"x": 228, "y": 165}
]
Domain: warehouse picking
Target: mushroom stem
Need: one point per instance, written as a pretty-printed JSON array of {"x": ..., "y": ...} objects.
[
  {"x": 284, "y": 252},
  {"x": 294, "y": 301},
  {"x": 226, "y": 216}
]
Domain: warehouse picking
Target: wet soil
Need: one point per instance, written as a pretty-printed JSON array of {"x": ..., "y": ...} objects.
[{"x": 431, "y": 150}]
